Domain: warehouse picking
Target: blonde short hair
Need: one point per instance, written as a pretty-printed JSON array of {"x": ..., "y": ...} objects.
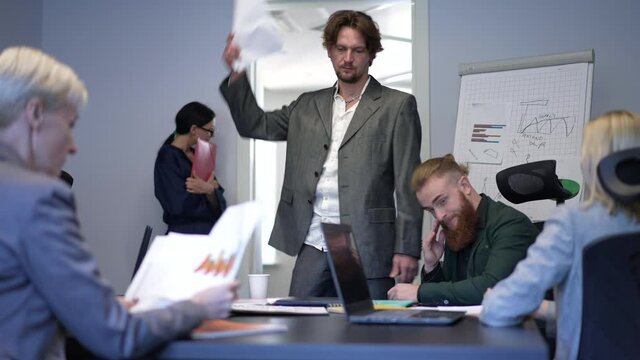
[
  {"x": 437, "y": 167},
  {"x": 26, "y": 73},
  {"x": 611, "y": 132}
]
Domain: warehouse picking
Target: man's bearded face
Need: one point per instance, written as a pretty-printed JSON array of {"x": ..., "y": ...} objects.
[{"x": 461, "y": 234}]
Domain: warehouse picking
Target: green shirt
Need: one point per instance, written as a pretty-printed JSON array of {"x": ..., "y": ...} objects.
[{"x": 503, "y": 235}]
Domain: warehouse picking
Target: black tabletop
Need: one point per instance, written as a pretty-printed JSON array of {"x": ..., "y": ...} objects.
[{"x": 333, "y": 337}]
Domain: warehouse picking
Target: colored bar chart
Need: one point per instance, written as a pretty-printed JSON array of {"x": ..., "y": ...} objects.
[{"x": 487, "y": 133}]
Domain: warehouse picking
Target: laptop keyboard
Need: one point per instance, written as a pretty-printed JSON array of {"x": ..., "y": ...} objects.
[{"x": 407, "y": 314}]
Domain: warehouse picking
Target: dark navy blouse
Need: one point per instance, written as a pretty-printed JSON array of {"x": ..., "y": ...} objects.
[{"x": 183, "y": 212}]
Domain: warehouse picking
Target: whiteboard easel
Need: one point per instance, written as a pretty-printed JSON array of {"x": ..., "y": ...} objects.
[{"x": 521, "y": 110}]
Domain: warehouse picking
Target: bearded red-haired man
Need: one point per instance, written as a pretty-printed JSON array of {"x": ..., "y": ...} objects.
[{"x": 482, "y": 240}]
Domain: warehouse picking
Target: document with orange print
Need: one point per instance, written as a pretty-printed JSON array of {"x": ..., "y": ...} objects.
[{"x": 177, "y": 266}]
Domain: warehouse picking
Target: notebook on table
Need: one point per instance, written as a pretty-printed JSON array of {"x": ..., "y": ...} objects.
[{"x": 353, "y": 292}]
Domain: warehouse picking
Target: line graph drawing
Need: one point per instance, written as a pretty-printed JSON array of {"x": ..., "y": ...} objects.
[{"x": 545, "y": 123}]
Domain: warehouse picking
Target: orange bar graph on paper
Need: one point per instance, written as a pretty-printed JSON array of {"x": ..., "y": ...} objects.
[{"x": 219, "y": 266}]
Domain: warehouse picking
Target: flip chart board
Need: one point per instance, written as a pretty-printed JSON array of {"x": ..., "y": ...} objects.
[{"x": 522, "y": 110}]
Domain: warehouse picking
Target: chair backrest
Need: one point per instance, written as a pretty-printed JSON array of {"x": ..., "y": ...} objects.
[
  {"x": 619, "y": 174},
  {"x": 144, "y": 245},
  {"x": 535, "y": 181},
  {"x": 611, "y": 298},
  {"x": 66, "y": 177},
  {"x": 611, "y": 272}
]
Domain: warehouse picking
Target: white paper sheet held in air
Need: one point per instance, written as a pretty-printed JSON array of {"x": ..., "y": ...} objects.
[
  {"x": 177, "y": 266},
  {"x": 254, "y": 32}
]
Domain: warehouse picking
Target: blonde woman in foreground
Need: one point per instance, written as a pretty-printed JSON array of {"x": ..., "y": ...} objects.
[
  {"x": 49, "y": 281},
  {"x": 555, "y": 259}
]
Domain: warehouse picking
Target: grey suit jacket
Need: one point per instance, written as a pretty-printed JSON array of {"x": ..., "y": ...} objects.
[
  {"x": 49, "y": 280},
  {"x": 378, "y": 154}
]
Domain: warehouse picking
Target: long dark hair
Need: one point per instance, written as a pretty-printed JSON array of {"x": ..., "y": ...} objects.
[{"x": 194, "y": 113}]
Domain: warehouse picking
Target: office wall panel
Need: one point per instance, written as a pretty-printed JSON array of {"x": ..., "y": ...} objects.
[
  {"x": 20, "y": 23},
  {"x": 141, "y": 61},
  {"x": 466, "y": 31}
]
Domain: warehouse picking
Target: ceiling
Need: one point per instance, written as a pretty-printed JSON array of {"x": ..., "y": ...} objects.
[{"x": 303, "y": 64}]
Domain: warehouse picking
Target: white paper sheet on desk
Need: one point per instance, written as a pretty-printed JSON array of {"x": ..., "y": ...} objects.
[
  {"x": 254, "y": 32},
  {"x": 254, "y": 308},
  {"x": 469, "y": 310},
  {"x": 177, "y": 266}
]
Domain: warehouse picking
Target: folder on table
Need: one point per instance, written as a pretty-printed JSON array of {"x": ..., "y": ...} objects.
[{"x": 214, "y": 329}]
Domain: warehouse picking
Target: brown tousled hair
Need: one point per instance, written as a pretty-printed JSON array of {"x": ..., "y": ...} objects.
[{"x": 356, "y": 20}]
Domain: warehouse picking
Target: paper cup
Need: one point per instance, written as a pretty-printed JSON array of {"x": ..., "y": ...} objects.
[{"x": 258, "y": 286}]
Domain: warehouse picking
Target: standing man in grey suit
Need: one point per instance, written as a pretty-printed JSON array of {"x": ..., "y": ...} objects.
[
  {"x": 48, "y": 278},
  {"x": 350, "y": 149}
]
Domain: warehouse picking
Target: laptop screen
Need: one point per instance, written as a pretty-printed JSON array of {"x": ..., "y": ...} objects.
[{"x": 346, "y": 268}]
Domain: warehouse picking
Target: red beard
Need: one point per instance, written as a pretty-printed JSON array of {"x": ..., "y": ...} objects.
[{"x": 464, "y": 232}]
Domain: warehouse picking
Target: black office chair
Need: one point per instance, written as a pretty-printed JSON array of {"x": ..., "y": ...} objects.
[
  {"x": 66, "y": 177},
  {"x": 73, "y": 348},
  {"x": 144, "y": 246},
  {"x": 535, "y": 181},
  {"x": 611, "y": 272},
  {"x": 619, "y": 175}
]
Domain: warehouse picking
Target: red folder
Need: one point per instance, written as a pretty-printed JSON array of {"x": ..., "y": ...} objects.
[{"x": 204, "y": 160}]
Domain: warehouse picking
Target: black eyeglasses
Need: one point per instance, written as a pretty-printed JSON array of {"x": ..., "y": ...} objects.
[{"x": 210, "y": 131}]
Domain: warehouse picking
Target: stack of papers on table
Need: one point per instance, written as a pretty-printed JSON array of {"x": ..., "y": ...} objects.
[
  {"x": 256, "y": 308},
  {"x": 473, "y": 310}
]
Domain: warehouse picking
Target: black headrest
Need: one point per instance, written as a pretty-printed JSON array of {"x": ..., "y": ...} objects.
[
  {"x": 534, "y": 181},
  {"x": 619, "y": 174}
]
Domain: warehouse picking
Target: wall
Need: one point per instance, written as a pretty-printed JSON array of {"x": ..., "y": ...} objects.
[
  {"x": 464, "y": 31},
  {"x": 20, "y": 23},
  {"x": 141, "y": 61}
]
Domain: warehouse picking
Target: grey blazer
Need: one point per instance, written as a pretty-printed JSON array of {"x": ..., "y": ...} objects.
[
  {"x": 378, "y": 154},
  {"x": 50, "y": 281}
]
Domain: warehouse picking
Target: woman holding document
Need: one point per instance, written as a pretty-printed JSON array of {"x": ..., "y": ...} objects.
[{"x": 191, "y": 200}]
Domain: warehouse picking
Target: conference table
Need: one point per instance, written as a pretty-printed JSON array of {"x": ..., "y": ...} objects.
[{"x": 333, "y": 337}]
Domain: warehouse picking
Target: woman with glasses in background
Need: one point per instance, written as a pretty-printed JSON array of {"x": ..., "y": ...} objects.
[{"x": 191, "y": 205}]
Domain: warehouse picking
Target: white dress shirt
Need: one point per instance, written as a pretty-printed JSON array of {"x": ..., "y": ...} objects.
[{"x": 326, "y": 204}]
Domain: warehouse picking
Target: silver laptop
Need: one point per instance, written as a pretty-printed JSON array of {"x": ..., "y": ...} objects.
[{"x": 351, "y": 285}]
